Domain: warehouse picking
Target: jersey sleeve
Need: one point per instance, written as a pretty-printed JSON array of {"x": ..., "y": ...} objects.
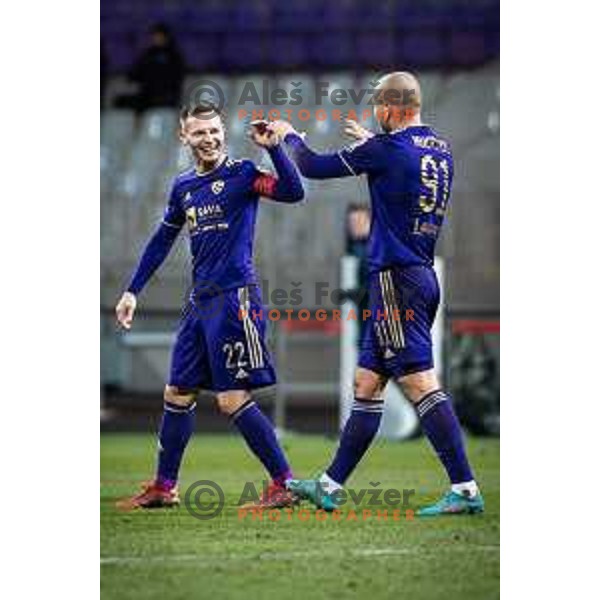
[
  {"x": 263, "y": 182},
  {"x": 174, "y": 215},
  {"x": 368, "y": 156},
  {"x": 314, "y": 165},
  {"x": 249, "y": 172}
]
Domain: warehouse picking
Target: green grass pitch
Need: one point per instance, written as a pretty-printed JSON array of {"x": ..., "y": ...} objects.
[{"x": 170, "y": 555}]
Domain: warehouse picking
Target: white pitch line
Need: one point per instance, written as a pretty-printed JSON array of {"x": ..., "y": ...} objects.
[{"x": 201, "y": 559}]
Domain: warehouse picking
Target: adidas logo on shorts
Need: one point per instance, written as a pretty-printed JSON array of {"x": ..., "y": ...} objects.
[{"x": 241, "y": 374}]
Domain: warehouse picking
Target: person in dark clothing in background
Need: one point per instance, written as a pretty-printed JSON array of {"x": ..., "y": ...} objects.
[
  {"x": 103, "y": 72},
  {"x": 358, "y": 225},
  {"x": 158, "y": 72}
]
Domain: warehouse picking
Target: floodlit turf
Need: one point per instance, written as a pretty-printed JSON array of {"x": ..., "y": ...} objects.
[{"x": 171, "y": 555}]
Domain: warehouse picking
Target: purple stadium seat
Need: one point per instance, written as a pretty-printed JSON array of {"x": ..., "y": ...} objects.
[
  {"x": 287, "y": 51},
  {"x": 332, "y": 50},
  {"x": 467, "y": 47},
  {"x": 492, "y": 43},
  {"x": 321, "y": 34},
  {"x": 375, "y": 16},
  {"x": 211, "y": 16},
  {"x": 376, "y": 47},
  {"x": 120, "y": 52},
  {"x": 244, "y": 51},
  {"x": 297, "y": 16},
  {"x": 340, "y": 15},
  {"x": 425, "y": 48},
  {"x": 250, "y": 17},
  {"x": 201, "y": 51}
]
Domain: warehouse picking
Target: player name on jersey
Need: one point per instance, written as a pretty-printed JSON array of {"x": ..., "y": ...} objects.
[{"x": 430, "y": 142}]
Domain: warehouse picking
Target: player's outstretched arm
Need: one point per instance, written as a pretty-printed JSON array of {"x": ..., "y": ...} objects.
[
  {"x": 310, "y": 163},
  {"x": 157, "y": 249},
  {"x": 287, "y": 186}
]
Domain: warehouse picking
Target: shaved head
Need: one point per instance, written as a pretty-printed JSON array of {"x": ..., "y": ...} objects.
[{"x": 398, "y": 99}]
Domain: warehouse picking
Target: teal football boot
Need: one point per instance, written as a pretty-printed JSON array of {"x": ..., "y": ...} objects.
[
  {"x": 452, "y": 503},
  {"x": 312, "y": 490}
]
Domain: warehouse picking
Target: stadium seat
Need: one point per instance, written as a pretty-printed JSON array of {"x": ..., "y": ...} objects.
[
  {"x": 252, "y": 16},
  {"x": 464, "y": 105},
  {"x": 297, "y": 16},
  {"x": 307, "y": 34},
  {"x": 216, "y": 16},
  {"x": 425, "y": 48},
  {"x": 202, "y": 51},
  {"x": 376, "y": 17},
  {"x": 138, "y": 197},
  {"x": 340, "y": 15},
  {"x": 287, "y": 50},
  {"x": 207, "y": 87},
  {"x": 116, "y": 137},
  {"x": 333, "y": 50},
  {"x": 247, "y": 50},
  {"x": 376, "y": 47}
]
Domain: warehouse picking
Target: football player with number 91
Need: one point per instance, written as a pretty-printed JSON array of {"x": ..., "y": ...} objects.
[{"x": 409, "y": 168}]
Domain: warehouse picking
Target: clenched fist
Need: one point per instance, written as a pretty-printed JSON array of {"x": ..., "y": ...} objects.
[
  {"x": 125, "y": 309},
  {"x": 263, "y": 134},
  {"x": 282, "y": 128}
]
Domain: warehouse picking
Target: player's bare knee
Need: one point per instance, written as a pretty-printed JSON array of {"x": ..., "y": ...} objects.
[
  {"x": 229, "y": 402},
  {"x": 179, "y": 396},
  {"x": 368, "y": 384},
  {"x": 417, "y": 385}
]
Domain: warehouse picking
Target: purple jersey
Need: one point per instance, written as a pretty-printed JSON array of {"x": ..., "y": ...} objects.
[
  {"x": 219, "y": 208},
  {"x": 219, "y": 211},
  {"x": 410, "y": 176}
]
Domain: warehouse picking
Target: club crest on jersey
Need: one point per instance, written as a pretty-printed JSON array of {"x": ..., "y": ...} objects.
[{"x": 217, "y": 186}]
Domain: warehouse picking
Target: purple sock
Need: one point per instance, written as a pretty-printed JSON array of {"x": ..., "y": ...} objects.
[
  {"x": 442, "y": 428},
  {"x": 261, "y": 439},
  {"x": 176, "y": 429},
  {"x": 359, "y": 431}
]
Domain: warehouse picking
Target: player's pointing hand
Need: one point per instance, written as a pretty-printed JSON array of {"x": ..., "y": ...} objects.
[
  {"x": 355, "y": 131},
  {"x": 125, "y": 309}
]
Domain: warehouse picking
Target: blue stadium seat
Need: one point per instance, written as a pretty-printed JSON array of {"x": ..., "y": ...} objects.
[
  {"x": 341, "y": 15},
  {"x": 214, "y": 16},
  {"x": 246, "y": 50},
  {"x": 335, "y": 49},
  {"x": 297, "y": 16},
  {"x": 425, "y": 48},
  {"x": 202, "y": 51},
  {"x": 286, "y": 50},
  {"x": 307, "y": 32},
  {"x": 377, "y": 16},
  {"x": 250, "y": 17},
  {"x": 377, "y": 48}
]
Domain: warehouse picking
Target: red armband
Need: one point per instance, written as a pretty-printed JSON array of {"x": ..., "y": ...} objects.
[{"x": 264, "y": 185}]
